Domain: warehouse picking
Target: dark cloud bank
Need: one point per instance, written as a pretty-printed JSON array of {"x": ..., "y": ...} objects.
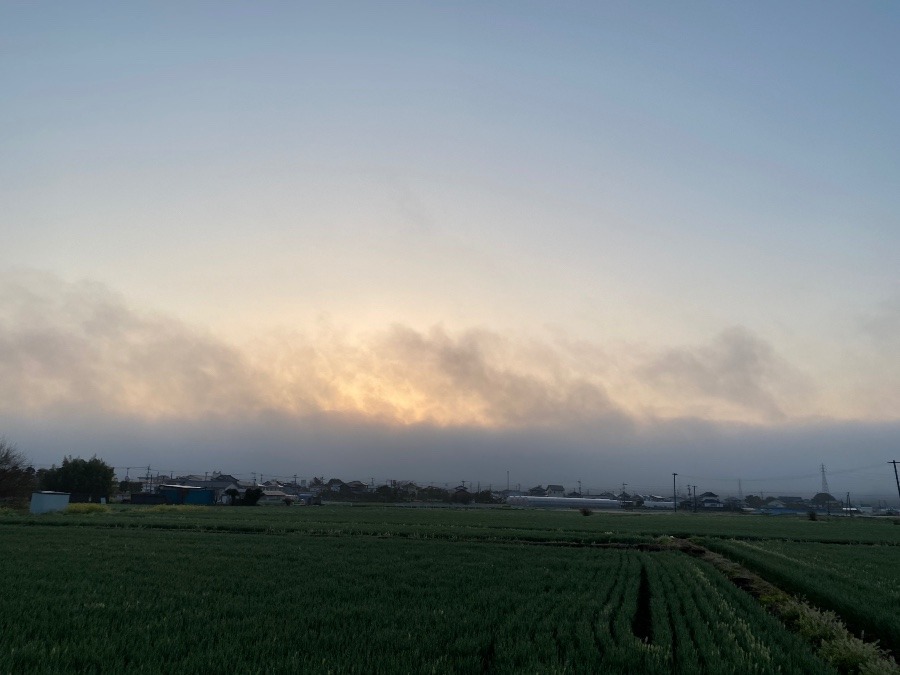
[
  {"x": 713, "y": 455},
  {"x": 82, "y": 373}
]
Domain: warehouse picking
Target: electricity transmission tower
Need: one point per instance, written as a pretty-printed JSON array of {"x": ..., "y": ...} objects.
[
  {"x": 896, "y": 476},
  {"x": 825, "y": 481}
]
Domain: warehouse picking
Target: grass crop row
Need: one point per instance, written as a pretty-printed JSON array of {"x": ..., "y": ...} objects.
[
  {"x": 92, "y": 599},
  {"x": 479, "y": 523},
  {"x": 859, "y": 583},
  {"x": 702, "y": 623}
]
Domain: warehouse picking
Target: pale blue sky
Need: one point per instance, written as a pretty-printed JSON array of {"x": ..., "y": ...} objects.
[{"x": 683, "y": 188}]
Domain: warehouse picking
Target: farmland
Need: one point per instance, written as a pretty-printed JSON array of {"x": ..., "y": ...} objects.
[
  {"x": 860, "y": 583},
  {"x": 380, "y": 589},
  {"x": 490, "y": 524}
]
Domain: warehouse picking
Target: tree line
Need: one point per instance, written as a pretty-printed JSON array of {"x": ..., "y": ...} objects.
[{"x": 92, "y": 478}]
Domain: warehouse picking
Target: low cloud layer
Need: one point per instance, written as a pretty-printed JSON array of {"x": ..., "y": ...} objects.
[
  {"x": 82, "y": 372},
  {"x": 80, "y": 347},
  {"x": 736, "y": 372}
]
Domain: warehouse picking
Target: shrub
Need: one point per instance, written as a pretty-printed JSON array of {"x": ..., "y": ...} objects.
[
  {"x": 850, "y": 655},
  {"x": 585, "y": 511},
  {"x": 817, "y": 625}
]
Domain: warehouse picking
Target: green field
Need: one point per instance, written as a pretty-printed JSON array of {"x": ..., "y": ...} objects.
[
  {"x": 860, "y": 583},
  {"x": 483, "y": 523},
  {"x": 392, "y": 589}
]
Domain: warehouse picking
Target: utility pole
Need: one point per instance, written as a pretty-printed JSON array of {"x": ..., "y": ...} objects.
[
  {"x": 896, "y": 478},
  {"x": 579, "y": 488},
  {"x": 507, "y": 481},
  {"x": 674, "y": 494}
]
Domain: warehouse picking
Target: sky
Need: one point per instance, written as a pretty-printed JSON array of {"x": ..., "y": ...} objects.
[{"x": 579, "y": 241}]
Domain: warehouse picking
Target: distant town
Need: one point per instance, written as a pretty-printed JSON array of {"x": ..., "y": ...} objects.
[{"x": 226, "y": 489}]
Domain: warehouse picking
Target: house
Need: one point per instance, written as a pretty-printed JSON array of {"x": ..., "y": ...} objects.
[
  {"x": 219, "y": 483},
  {"x": 356, "y": 487},
  {"x": 187, "y": 494},
  {"x": 460, "y": 495},
  {"x": 223, "y": 477},
  {"x": 709, "y": 500},
  {"x": 556, "y": 491},
  {"x": 792, "y": 502},
  {"x": 732, "y": 503},
  {"x": 503, "y": 494}
]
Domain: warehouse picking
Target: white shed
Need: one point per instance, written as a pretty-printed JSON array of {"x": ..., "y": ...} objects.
[{"x": 45, "y": 502}]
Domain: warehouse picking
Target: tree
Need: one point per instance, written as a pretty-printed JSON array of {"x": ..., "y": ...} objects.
[
  {"x": 92, "y": 477},
  {"x": 433, "y": 494},
  {"x": 130, "y": 486},
  {"x": 385, "y": 493},
  {"x": 251, "y": 496},
  {"x": 461, "y": 496},
  {"x": 754, "y": 502},
  {"x": 16, "y": 476},
  {"x": 484, "y": 497}
]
